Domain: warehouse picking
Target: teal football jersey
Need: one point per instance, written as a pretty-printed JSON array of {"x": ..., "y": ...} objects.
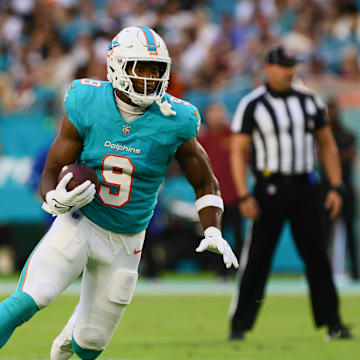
[{"x": 130, "y": 159}]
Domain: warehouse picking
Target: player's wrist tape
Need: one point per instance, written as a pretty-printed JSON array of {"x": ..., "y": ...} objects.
[
  {"x": 212, "y": 231},
  {"x": 209, "y": 200}
]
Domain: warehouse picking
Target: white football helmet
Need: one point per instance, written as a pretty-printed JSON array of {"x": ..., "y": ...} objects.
[{"x": 133, "y": 44}]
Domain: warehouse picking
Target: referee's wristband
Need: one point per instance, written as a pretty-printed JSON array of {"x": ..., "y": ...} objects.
[
  {"x": 340, "y": 189},
  {"x": 241, "y": 199}
]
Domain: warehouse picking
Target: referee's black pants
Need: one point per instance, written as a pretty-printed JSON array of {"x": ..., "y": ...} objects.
[{"x": 297, "y": 199}]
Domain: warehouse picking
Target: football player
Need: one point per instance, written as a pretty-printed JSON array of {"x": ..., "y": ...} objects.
[{"x": 127, "y": 129}]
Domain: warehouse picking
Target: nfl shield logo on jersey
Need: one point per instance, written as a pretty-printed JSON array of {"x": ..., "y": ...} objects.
[{"x": 126, "y": 129}]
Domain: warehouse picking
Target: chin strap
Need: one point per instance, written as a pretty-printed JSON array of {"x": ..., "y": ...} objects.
[{"x": 165, "y": 107}]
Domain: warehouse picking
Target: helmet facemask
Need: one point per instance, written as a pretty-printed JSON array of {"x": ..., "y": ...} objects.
[{"x": 123, "y": 81}]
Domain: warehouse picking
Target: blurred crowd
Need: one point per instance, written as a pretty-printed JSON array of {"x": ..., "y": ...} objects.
[
  {"x": 217, "y": 49},
  {"x": 214, "y": 44}
]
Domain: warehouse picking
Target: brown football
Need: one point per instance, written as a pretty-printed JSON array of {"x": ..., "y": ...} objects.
[{"x": 81, "y": 173}]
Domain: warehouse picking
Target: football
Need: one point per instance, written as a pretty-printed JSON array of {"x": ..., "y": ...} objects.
[{"x": 81, "y": 173}]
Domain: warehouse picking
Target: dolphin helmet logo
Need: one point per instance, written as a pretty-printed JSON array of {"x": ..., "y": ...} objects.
[{"x": 112, "y": 45}]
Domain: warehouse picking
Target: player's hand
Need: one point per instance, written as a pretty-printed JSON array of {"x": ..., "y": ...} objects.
[
  {"x": 333, "y": 203},
  {"x": 250, "y": 208},
  {"x": 60, "y": 201},
  {"x": 214, "y": 242}
]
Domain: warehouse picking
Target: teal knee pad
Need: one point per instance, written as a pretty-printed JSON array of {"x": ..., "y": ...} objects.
[
  {"x": 14, "y": 311},
  {"x": 84, "y": 354}
]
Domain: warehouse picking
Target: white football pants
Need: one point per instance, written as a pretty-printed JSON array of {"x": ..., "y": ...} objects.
[{"x": 109, "y": 262}]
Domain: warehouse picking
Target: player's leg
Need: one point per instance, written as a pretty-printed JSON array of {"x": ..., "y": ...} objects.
[
  {"x": 14, "y": 311},
  {"x": 107, "y": 288},
  {"x": 61, "y": 348},
  {"x": 54, "y": 264}
]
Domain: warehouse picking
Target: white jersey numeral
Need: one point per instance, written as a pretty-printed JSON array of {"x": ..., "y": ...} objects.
[
  {"x": 118, "y": 171},
  {"x": 179, "y": 101},
  {"x": 91, "y": 82}
]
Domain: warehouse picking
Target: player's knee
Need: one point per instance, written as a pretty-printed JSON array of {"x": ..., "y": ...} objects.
[
  {"x": 92, "y": 337},
  {"x": 89, "y": 341},
  {"x": 93, "y": 331},
  {"x": 45, "y": 293},
  {"x": 83, "y": 352}
]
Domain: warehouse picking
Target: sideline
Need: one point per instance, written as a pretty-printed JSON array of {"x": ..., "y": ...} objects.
[{"x": 205, "y": 287}]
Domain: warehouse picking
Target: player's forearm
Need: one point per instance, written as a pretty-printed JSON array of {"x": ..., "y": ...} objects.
[
  {"x": 65, "y": 149},
  {"x": 48, "y": 181},
  {"x": 208, "y": 185},
  {"x": 210, "y": 216}
]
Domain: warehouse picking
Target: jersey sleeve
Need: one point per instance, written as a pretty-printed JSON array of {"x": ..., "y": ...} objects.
[
  {"x": 321, "y": 117},
  {"x": 195, "y": 122},
  {"x": 72, "y": 103},
  {"x": 191, "y": 126},
  {"x": 243, "y": 121}
]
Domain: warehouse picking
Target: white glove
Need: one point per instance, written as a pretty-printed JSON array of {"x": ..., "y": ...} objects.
[
  {"x": 60, "y": 201},
  {"x": 214, "y": 242}
]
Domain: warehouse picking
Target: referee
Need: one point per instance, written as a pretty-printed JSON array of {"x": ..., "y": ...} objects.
[{"x": 283, "y": 122}]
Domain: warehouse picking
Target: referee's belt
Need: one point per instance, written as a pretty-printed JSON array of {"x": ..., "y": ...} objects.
[{"x": 267, "y": 174}]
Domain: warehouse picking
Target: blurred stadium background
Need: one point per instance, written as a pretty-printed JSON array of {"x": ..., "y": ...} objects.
[{"x": 217, "y": 48}]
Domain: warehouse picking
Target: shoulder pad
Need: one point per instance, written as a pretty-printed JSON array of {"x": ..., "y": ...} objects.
[
  {"x": 187, "y": 113},
  {"x": 79, "y": 97},
  {"x": 81, "y": 90}
]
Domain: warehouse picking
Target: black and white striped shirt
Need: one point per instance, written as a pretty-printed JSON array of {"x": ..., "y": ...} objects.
[{"x": 282, "y": 126}]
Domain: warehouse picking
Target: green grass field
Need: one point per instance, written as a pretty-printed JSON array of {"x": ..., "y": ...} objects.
[{"x": 196, "y": 328}]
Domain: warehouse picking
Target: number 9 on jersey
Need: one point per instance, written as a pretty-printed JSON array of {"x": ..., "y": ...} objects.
[{"x": 117, "y": 171}]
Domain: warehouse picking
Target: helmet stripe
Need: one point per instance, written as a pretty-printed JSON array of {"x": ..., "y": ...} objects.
[{"x": 150, "y": 39}]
